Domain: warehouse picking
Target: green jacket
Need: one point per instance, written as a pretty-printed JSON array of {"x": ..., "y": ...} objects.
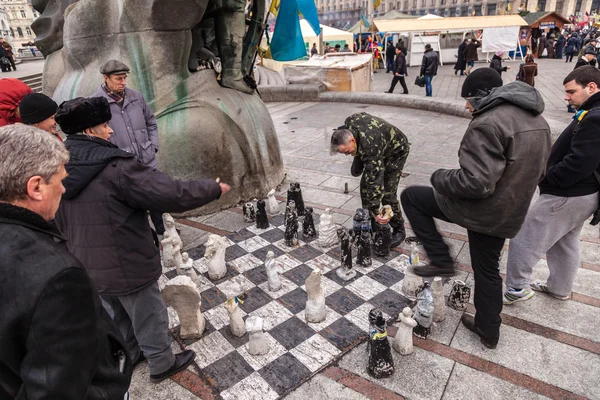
[{"x": 379, "y": 143}]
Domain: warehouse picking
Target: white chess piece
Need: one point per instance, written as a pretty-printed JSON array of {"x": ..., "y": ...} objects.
[
  {"x": 315, "y": 311},
  {"x": 411, "y": 284},
  {"x": 236, "y": 323},
  {"x": 403, "y": 342},
  {"x": 273, "y": 271},
  {"x": 176, "y": 242},
  {"x": 167, "y": 251},
  {"x": 439, "y": 305},
  {"x": 327, "y": 230},
  {"x": 258, "y": 345},
  {"x": 182, "y": 294},
  {"x": 272, "y": 204},
  {"x": 187, "y": 267},
  {"x": 215, "y": 253}
]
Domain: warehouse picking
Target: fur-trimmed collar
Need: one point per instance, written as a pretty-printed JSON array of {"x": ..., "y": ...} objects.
[{"x": 11, "y": 214}]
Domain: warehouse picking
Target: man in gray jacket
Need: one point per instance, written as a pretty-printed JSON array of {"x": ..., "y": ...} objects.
[{"x": 502, "y": 158}]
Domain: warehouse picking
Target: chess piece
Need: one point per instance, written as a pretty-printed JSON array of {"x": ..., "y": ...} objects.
[
  {"x": 411, "y": 283},
  {"x": 345, "y": 270},
  {"x": 315, "y": 304},
  {"x": 249, "y": 215},
  {"x": 273, "y": 271},
  {"x": 167, "y": 251},
  {"x": 187, "y": 267},
  {"x": 382, "y": 239},
  {"x": 413, "y": 259},
  {"x": 262, "y": 221},
  {"x": 273, "y": 208},
  {"x": 363, "y": 249},
  {"x": 182, "y": 294},
  {"x": 215, "y": 253},
  {"x": 258, "y": 345},
  {"x": 176, "y": 243},
  {"x": 361, "y": 222},
  {"x": 439, "y": 305},
  {"x": 327, "y": 230},
  {"x": 291, "y": 225},
  {"x": 308, "y": 225},
  {"x": 459, "y": 296},
  {"x": 381, "y": 363},
  {"x": 424, "y": 311},
  {"x": 403, "y": 342},
  {"x": 295, "y": 194},
  {"x": 236, "y": 323}
]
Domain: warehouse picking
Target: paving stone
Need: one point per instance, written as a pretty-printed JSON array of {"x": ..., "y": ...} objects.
[
  {"x": 165, "y": 390},
  {"x": 343, "y": 334},
  {"x": 284, "y": 373},
  {"x": 321, "y": 387}
]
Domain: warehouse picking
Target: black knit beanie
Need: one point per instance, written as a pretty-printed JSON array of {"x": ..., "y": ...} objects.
[
  {"x": 36, "y": 107},
  {"x": 484, "y": 79},
  {"x": 75, "y": 116}
]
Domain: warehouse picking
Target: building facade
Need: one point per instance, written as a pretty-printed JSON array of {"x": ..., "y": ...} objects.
[{"x": 19, "y": 15}]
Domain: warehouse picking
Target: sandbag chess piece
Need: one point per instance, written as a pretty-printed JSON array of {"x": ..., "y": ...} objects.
[
  {"x": 273, "y": 271},
  {"x": 215, "y": 254},
  {"x": 315, "y": 311},
  {"x": 308, "y": 225},
  {"x": 345, "y": 271},
  {"x": 363, "y": 249},
  {"x": 327, "y": 230},
  {"x": 381, "y": 363},
  {"x": 295, "y": 194},
  {"x": 249, "y": 214},
  {"x": 403, "y": 342},
  {"x": 291, "y": 225},
  {"x": 273, "y": 205},
  {"x": 439, "y": 305},
  {"x": 424, "y": 311},
  {"x": 258, "y": 345},
  {"x": 182, "y": 294},
  {"x": 262, "y": 221},
  {"x": 236, "y": 323},
  {"x": 459, "y": 296}
]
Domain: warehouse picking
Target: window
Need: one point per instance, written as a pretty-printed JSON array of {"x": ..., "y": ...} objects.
[
  {"x": 28, "y": 31},
  {"x": 406, "y": 4},
  {"x": 443, "y": 2},
  {"x": 398, "y": 5},
  {"x": 423, "y": 3},
  {"x": 23, "y": 14},
  {"x": 20, "y": 31},
  {"x": 383, "y": 8},
  {"x": 14, "y": 14},
  {"x": 432, "y": 4},
  {"x": 414, "y": 3}
]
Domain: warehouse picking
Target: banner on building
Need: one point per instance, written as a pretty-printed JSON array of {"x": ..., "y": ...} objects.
[
  {"x": 547, "y": 25},
  {"x": 500, "y": 39}
]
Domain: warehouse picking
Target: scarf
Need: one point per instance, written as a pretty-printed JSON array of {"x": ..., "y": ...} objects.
[{"x": 119, "y": 98}]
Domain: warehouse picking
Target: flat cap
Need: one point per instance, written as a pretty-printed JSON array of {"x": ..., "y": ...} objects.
[{"x": 114, "y": 67}]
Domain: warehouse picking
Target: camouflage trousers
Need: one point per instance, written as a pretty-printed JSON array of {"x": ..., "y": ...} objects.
[{"x": 391, "y": 177}]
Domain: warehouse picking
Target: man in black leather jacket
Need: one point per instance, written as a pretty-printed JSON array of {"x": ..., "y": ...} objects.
[
  {"x": 56, "y": 339},
  {"x": 429, "y": 67}
]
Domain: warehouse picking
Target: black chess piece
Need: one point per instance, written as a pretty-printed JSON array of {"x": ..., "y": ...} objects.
[
  {"x": 249, "y": 214},
  {"x": 361, "y": 221},
  {"x": 345, "y": 270},
  {"x": 382, "y": 240},
  {"x": 262, "y": 221},
  {"x": 363, "y": 247},
  {"x": 423, "y": 312},
  {"x": 295, "y": 194},
  {"x": 308, "y": 225},
  {"x": 381, "y": 363},
  {"x": 291, "y": 224}
]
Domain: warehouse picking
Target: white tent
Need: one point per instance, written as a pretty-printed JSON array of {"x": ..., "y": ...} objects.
[
  {"x": 430, "y": 16},
  {"x": 330, "y": 35}
]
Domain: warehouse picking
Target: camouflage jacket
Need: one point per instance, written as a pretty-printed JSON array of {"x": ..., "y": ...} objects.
[{"x": 379, "y": 144}]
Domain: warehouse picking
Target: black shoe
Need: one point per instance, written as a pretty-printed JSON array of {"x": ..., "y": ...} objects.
[
  {"x": 141, "y": 358},
  {"x": 398, "y": 237},
  {"x": 455, "y": 71},
  {"x": 387, "y": 91},
  {"x": 182, "y": 361},
  {"x": 404, "y": 92},
  {"x": 429, "y": 270},
  {"x": 469, "y": 322}
]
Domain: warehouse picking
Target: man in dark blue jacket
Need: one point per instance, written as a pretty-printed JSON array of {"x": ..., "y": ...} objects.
[{"x": 429, "y": 67}]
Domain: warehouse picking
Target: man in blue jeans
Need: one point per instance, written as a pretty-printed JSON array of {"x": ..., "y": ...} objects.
[{"x": 429, "y": 67}]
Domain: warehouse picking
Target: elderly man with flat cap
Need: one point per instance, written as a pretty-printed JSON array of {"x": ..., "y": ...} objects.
[{"x": 132, "y": 121}]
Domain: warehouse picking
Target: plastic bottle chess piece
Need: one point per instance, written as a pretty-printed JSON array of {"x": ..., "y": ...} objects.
[
  {"x": 381, "y": 363},
  {"x": 262, "y": 221},
  {"x": 273, "y": 271},
  {"x": 345, "y": 271},
  {"x": 295, "y": 194},
  {"x": 403, "y": 342},
  {"x": 258, "y": 345},
  {"x": 187, "y": 267},
  {"x": 424, "y": 311},
  {"x": 459, "y": 296},
  {"x": 315, "y": 304},
  {"x": 167, "y": 251},
  {"x": 236, "y": 323},
  {"x": 182, "y": 294},
  {"x": 327, "y": 230},
  {"x": 361, "y": 222},
  {"x": 363, "y": 249},
  {"x": 249, "y": 214},
  {"x": 291, "y": 225},
  {"x": 273, "y": 205},
  {"x": 412, "y": 282},
  {"x": 439, "y": 305},
  {"x": 308, "y": 225},
  {"x": 215, "y": 254}
]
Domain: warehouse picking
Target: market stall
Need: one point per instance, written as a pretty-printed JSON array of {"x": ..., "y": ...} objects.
[{"x": 330, "y": 35}]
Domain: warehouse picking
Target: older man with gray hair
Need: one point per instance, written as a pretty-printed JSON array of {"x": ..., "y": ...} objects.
[{"x": 56, "y": 340}]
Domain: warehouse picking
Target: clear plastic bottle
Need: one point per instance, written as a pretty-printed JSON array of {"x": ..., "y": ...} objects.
[{"x": 414, "y": 254}]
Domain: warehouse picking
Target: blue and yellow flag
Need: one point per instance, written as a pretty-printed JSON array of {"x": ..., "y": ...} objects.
[
  {"x": 364, "y": 21},
  {"x": 287, "y": 43}
]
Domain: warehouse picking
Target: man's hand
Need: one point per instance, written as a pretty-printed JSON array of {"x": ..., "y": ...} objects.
[
  {"x": 397, "y": 74},
  {"x": 508, "y": 67},
  {"x": 224, "y": 187},
  {"x": 381, "y": 220}
]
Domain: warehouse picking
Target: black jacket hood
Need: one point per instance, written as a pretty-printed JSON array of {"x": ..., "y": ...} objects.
[
  {"x": 518, "y": 93},
  {"x": 88, "y": 157}
]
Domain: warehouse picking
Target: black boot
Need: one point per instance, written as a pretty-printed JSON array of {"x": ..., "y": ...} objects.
[
  {"x": 182, "y": 361},
  {"x": 469, "y": 322},
  {"x": 398, "y": 236}
]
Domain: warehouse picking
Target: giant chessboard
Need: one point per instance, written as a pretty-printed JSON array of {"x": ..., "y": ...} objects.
[{"x": 298, "y": 349}]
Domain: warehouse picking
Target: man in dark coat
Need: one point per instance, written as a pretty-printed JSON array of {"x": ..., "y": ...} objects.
[
  {"x": 56, "y": 339},
  {"x": 104, "y": 219},
  {"x": 560, "y": 46},
  {"x": 502, "y": 158},
  {"x": 8, "y": 50},
  {"x": 470, "y": 54},
  {"x": 389, "y": 56},
  {"x": 400, "y": 71},
  {"x": 571, "y": 48},
  {"x": 461, "y": 62},
  {"x": 429, "y": 66},
  {"x": 496, "y": 63}
]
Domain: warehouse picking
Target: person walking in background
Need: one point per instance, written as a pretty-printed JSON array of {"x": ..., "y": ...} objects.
[
  {"x": 571, "y": 48},
  {"x": 560, "y": 46},
  {"x": 528, "y": 70},
  {"x": 471, "y": 54},
  {"x": 550, "y": 47},
  {"x": 542, "y": 46},
  {"x": 429, "y": 66},
  {"x": 8, "y": 50},
  {"x": 314, "y": 51},
  {"x": 400, "y": 71},
  {"x": 390, "y": 52},
  {"x": 461, "y": 62},
  {"x": 496, "y": 63}
]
